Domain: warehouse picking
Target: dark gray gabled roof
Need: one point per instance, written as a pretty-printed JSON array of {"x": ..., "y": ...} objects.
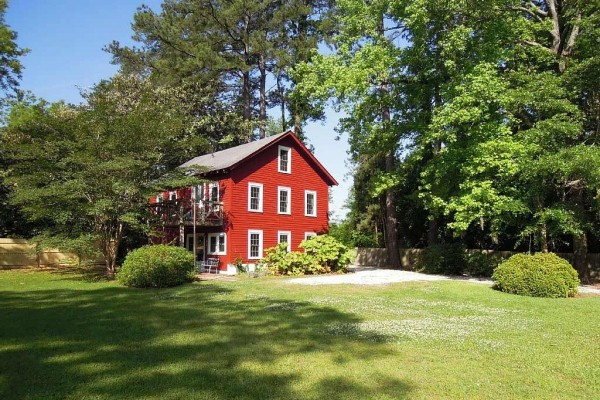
[{"x": 229, "y": 157}]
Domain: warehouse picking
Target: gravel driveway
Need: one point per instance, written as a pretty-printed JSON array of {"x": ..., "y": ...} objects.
[{"x": 360, "y": 275}]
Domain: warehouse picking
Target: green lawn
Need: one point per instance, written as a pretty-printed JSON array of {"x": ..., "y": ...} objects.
[{"x": 65, "y": 336}]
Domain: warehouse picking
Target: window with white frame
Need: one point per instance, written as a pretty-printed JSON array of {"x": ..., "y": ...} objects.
[
  {"x": 173, "y": 195},
  {"x": 308, "y": 235},
  {"x": 310, "y": 203},
  {"x": 285, "y": 237},
  {"x": 284, "y": 159},
  {"x": 213, "y": 193},
  {"x": 255, "y": 197},
  {"x": 217, "y": 244},
  {"x": 198, "y": 192},
  {"x": 284, "y": 200},
  {"x": 255, "y": 244}
]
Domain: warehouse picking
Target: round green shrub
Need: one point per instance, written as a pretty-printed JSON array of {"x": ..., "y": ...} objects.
[
  {"x": 328, "y": 252},
  {"x": 538, "y": 275},
  {"x": 157, "y": 266},
  {"x": 448, "y": 258}
]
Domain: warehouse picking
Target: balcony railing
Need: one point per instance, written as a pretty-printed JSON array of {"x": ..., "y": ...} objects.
[{"x": 181, "y": 211}]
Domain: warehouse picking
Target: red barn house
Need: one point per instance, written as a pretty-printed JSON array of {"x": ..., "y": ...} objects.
[{"x": 257, "y": 195}]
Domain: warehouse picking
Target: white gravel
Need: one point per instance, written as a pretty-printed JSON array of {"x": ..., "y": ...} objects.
[{"x": 376, "y": 276}]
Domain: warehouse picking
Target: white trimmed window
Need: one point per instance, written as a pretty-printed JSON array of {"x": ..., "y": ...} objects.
[
  {"x": 198, "y": 192},
  {"x": 159, "y": 198},
  {"x": 310, "y": 203},
  {"x": 284, "y": 156},
  {"x": 285, "y": 237},
  {"x": 284, "y": 200},
  {"x": 213, "y": 193},
  {"x": 255, "y": 244},
  {"x": 255, "y": 197},
  {"x": 213, "y": 190},
  {"x": 217, "y": 244},
  {"x": 173, "y": 195},
  {"x": 308, "y": 235}
]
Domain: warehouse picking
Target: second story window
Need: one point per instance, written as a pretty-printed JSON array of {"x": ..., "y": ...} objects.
[
  {"x": 284, "y": 200},
  {"x": 173, "y": 195},
  {"x": 213, "y": 192},
  {"x": 310, "y": 203},
  {"x": 255, "y": 197},
  {"x": 284, "y": 160}
]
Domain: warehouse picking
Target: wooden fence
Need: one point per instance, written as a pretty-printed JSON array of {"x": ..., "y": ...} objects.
[
  {"x": 377, "y": 257},
  {"x": 18, "y": 253}
]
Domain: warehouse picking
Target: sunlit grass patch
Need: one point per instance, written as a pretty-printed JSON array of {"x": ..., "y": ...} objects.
[{"x": 67, "y": 338}]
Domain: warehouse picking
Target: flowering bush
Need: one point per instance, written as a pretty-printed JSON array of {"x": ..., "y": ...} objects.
[{"x": 322, "y": 254}]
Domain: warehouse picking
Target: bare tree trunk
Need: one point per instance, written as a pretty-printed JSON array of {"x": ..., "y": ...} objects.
[
  {"x": 391, "y": 218},
  {"x": 281, "y": 93},
  {"x": 247, "y": 99},
  {"x": 262, "y": 66},
  {"x": 433, "y": 227},
  {"x": 111, "y": 239},
  {"x": 298, "y": 125},
  {"x": 580, "y": 251}
]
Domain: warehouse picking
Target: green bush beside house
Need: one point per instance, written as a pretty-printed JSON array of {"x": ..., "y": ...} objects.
[{"x": 157, "y": 266}]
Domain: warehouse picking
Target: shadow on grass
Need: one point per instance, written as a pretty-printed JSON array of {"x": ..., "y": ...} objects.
[
  {"x": 197, "y": 341},
  {"x": 93, "y": 273}
]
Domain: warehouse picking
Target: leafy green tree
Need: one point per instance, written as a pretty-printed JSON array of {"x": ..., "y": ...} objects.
[
  {"x": 10, "y": 65},
  {"x": 85, "y": 172},
  {"x": 358, "y": 77},
  {"x": 11, "y": 221}
]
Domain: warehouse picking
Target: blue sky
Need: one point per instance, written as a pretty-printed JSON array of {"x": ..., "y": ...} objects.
[{"x": 66, "y": 38}]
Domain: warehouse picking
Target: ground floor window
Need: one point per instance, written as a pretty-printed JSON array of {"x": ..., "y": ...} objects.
[
  {"x": 217, "y": 244},
  {"x": 255, "y": 244},
  {"x": 308, "y": 235},
  {"x": 285, "y": 237}
]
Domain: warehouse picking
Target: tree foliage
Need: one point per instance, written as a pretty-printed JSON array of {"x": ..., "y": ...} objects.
[
  {"x": 493, "y": 116},
  {"x": 87, "y": 171},
  {"x": 231, "y": 47}
]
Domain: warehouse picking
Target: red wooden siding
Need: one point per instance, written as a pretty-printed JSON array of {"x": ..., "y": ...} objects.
[{"x": 263, "y": 169}]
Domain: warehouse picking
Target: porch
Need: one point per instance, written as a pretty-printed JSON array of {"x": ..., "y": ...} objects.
[{"x": 181, "y": 212}]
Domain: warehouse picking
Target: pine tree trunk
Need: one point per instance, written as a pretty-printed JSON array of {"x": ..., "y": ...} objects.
[
  {"x": 247, "y": 99},
  {"x": 580, "y": 251},
  {"x": 262, "y": 66}
]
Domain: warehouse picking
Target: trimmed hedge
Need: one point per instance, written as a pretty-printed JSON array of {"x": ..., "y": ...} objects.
[
  {"x": 538, "y": 275},
  {"x": 157, "y": 266},
  {"x": 447, "y": 259}
]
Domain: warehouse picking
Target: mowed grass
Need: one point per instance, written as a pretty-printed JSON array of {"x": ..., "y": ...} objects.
[{"x": 64, "y": 336}]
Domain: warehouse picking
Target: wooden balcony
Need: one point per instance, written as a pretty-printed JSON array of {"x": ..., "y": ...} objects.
[{"x": 181, "y": 211}]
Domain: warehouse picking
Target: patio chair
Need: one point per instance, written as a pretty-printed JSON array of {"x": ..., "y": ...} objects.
[{"x": 210, "y": 265}]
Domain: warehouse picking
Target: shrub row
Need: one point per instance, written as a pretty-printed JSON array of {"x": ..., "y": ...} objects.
[{"x": 452, "y": 259}]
